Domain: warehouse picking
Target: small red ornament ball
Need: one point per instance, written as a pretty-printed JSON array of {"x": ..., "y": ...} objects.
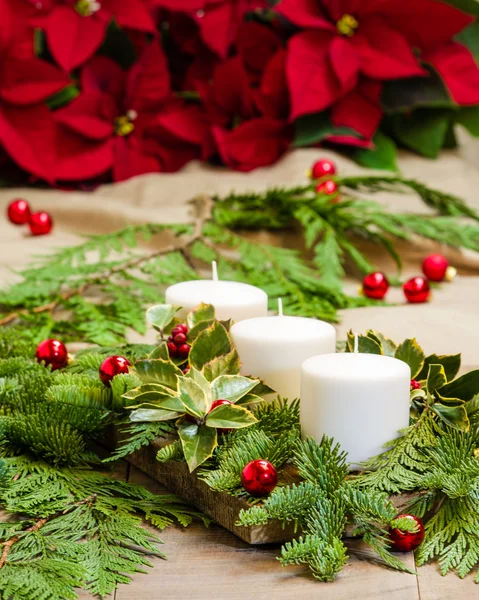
[
  {"x": 52, "y": 352},
  {"x": 406, "y": 541},
  {"x": 415, "y": 385},
  {"x": 416, "y": 290},
  {"x": 18, "y": 212},
  {"x": 111, "y": 366},
  {"x": 435, "y": 267},
  {"x": 328, "y": 187},
  {"x": 375, "y": 285},
  {"x": 259, "y": 478},
  {"x": 219, "y": 402},
  {"x": 40, "y": 223},
  {"x": 323, "y": 167}
]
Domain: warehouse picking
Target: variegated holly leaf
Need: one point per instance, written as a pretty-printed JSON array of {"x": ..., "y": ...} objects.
[
  {"x": 230, "y": 416},
  {"x": 198, "y": 441},
  {"x": 201, "y": 380},
  {"x": 193, "y": 397},
  {"x": 450, "y": 362},
  {"x": 388, "y": 346},
  {"x": 159, "y": 371},
  {"x": 227, "y": 364},
  {"x": 153, "y": 414},
  {"x": 412, "y": 354},
  {"x": 455, "y": 416},
  {"x": 465, "y": 387},
  {"x": 204, "y": 312},
  {"x": 436, "y": 378},
  {"x": 210, "y": 344},
  {"x": 232, "y": 387},
  {"x": 148, "y": 392},
  {"x": 161, "y": 315},
  {"x": 366, "y": 344}
]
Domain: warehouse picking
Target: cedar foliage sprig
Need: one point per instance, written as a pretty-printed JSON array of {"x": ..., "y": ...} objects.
[{"x": 125, "y": 279}]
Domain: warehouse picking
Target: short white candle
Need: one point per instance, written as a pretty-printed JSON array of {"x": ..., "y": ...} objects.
[
  {"x": 231, "y": 299},
  {"x": 273, "y": 348},
  {"x": 360, "y": 400}
]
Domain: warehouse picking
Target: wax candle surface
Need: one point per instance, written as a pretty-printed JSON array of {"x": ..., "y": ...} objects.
[
  {"x": 273, "y": 349},
  {"x": 361, "y": 400},
  {"x": 231, "y": 299}
]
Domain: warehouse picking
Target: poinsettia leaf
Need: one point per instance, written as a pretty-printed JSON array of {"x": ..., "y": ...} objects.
[
  {"x": 198, "y": 441},
  {"x": 230, "y": 416},
  {"x": 424, "y": 130},
  {"x": 413, "y": 92},
  {"x": 201, "y": 380},
  {"x": 467, "y": 6},
  {"x": 193, "y": 397},
  {"x": 159, "y": 371},
  {"x": 161, "y": 351},
  {"x": 232, "y": 387},
  {"x": 455, "y": 416},
  {"x": 314, "y": 128},
  {"x": 450, "y": 362},
  {"x": 64, "y": 96},
  {"x": 365, "y": 344},
  {"x": 382, "y": 156},
  {"x": 412, "y": 354},
  {"x": 389, "y": 347},
  {"x": 436, "y": 378},
  {"x": 141, "y": 415},
  {"x": 470, "y": 36},
  {"x": 468, "y": 117},
  {"x": 211, "y": 343},
  {"x": 465, "y": 387},
  {"x": 161, "y": 315},
  {"x": 227, "y": 364},
  {"x": 204, "y": 312}
]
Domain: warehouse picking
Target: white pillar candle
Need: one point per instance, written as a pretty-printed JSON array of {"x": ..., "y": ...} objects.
[
  {"x": 360, "y": 400},
  {"x": 273, "y": 348},
  {"x": 231, "y": 299}
]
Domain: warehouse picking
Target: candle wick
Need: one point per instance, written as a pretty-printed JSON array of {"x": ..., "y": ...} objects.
[
  {"x": 214, "y": 268},
  {"x": 356, "y": 344},
  {"x": 280, "y": 307}
]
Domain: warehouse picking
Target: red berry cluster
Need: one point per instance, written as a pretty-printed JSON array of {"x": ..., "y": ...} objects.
[
  {"x": 19, "y": 213},
  {"x": 177, "y": 346}
]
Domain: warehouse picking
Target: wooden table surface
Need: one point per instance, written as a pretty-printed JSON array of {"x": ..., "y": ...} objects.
[{"x": 213, "y": 564}]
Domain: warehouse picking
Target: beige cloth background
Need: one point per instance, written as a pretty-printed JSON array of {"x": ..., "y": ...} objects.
[{"x": 448, "y": 324}]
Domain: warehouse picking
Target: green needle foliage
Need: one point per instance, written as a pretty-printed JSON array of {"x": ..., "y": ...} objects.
[{"x": 99, "y": 289}]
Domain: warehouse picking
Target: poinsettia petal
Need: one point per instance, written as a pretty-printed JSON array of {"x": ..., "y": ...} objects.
[
  {"x": 28, "y": 135},
  {"x": 385, "y": 53},
  {"x": 183, "y": 5},
  {"x": 256, "y": 45},
  {"x": 312, "y": 80},
  {"x": 305, "y": 13},
  {"x": 187, "y": 123},
  {"x": 30, "y": 81},
  {"x": 253, "y": 144},
  {"x": 79, "y": 159},
  {"x": 360, "y": 109},
  {"x": 148, "y": 80},
  {"x": 345, "y": 62},
  {"x": 101, "y": 74},
  {"x": 218, "y": 28},
  {"x": 72, "y": 38},
  {"x": 132, "y": 14},
  {"x": 273, "y": 97},
  {"x": 91, "y": 115},
  {"x": 130, "y": 159},
  {"x": 460, "y": 72}
]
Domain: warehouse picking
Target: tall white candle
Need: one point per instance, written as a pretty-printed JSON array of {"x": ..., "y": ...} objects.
[
  {"x": 361, "y": 400},
  {"x": 273, "y": 348},
  {"x": 231, "y": 299}
]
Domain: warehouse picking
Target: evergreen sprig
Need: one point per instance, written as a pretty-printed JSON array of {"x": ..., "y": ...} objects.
[{"x": 125, "y": 278}]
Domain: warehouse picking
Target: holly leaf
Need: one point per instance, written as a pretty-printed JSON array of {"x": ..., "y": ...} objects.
[
  {"x": 161, "y": 315},
  {"x": 229, "y": 416},
  {"x": 455, "y": 416},
  {"x": 198, "y": 441},
  {"x": 159, "y": 371},
  {"x": 232, "y": 387},
  {"x": 228, "y": 364},
  {"x": 249, "y": 399},
  {"x": 210, "y": 344},
  {"x": 201, "y": 380},
  {"x": 365, "y": 344},
  {"x": 436, "y": 378},
  {"x": 412, "y": 354},
  {"x": 193, "y": 397},
  {"x": 314, "y": 128},
  {"x": 450, "y": 362},
  {"x": 148, "y": 392},
  {"x": 389, "y": 347},
  {"x": 160, "y": 351},
  {"x": 262, "y": 389},
  {"x": 153, "y": 414},
  {"x": 383, "y": 156},
  {"x": 204, "y": 312},
  {"x": 424, "y": 130},
  {"x": 465, "y": 387}
]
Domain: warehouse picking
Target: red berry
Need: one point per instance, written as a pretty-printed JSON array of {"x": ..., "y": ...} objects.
[
  {"x": 18, "y": 212},
  {"x": 181, "y": 328},
  {"x": 52, "y": 352},
  {"x": 416, "y": 290},
  {"x": 172, "y": 349},
  {"x": 328, "y": 187},
  {"x": 259, "y": 478},
  {"x": 406, "y": 541},
  {"x": 40, "y": 223},
  {"x": 435, "y": 267},
  {"x": 323, "y": 167},
  {"x": 415, "y": 385},
  {"x": 186, "y": 369},
  {"x": 183, "y": 351},
  {"x": 219, "y": 402},
  {"x": 180, "y": 338},
  {"x": 111, "y": 366},
  {"x": 375, "y": 285}
]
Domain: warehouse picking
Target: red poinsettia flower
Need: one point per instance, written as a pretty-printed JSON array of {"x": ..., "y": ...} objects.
[
  {"x": 346, "y": 38},
  {"x": 218, "y": 20},
  {"x": 141, "y": 127},
  {"x": 75, "y": 29}
]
